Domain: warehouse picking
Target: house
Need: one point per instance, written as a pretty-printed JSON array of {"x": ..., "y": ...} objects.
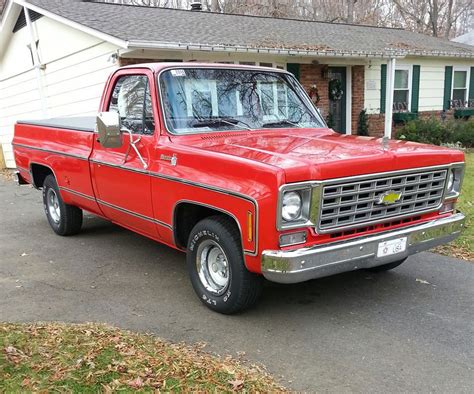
[{"x": 56, "y": 54}]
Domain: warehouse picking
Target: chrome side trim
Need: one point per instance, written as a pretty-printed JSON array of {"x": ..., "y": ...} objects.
[
  {"x": 51, "y": 151},
  {"x": 223, "y": 191},
  {"x": 113, "y": 206},
  {"x": 86, "y": 196},
  {"x": 246, "y": 251},
  {"x": 166, "y": 177},
  {"x": 308, "y": 263},
  {"x": 135, "y": 214},
  {"x": 195, "y": 184},
  {"x": 121, "y": 166}
]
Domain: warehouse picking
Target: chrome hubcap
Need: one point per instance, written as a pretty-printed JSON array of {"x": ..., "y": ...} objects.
[
  {"x": 52, "y": 202},
  {"x": 212, "y": 267}
]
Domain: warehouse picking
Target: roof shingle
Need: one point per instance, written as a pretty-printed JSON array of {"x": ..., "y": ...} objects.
[{"x": 158, "y": 26}]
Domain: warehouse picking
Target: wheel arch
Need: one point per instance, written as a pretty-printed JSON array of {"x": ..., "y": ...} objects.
[
  {"x": 39, "y": 172},
  {"x": 195, "y": 212}
]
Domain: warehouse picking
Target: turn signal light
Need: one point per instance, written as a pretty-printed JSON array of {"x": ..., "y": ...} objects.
[
  {"x": 293, "y": 239},
  {"x": 249, "y": 226}
]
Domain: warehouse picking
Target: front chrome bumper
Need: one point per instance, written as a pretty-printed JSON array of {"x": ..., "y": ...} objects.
[{"x": 324, "y": 260}]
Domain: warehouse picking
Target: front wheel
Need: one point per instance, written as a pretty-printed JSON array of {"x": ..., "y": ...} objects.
[
  {"x": 64, "y": 219},
  {"x": 216, "y": 267}
]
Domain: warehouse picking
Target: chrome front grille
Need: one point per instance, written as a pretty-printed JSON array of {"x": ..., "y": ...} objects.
[{"x": 352, "y": 204}]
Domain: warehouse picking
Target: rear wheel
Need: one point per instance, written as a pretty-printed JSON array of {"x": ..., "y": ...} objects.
[
  {"x": 64, "y": 219},
  {"x": 386, "y": 267},
  {"x": 216, "y": 267}
]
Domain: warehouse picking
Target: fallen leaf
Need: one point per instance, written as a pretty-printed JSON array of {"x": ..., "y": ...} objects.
[
  {"x": 424, "y": 282},
  {"x": 136, "y": 383},
  {"x": 107, "y": 389},
  {"x": 236, "y": 384}
]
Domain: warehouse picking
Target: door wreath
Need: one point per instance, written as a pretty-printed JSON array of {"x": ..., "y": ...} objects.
[
  {"x": 335, "y": 90},
  {"x": 314, "y": 94}
]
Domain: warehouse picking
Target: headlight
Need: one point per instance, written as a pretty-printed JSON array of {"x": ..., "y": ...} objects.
[
  {"x": 450, "y": 181},
  {"x": 297, "y": 206},
  {"x": 454, "y": 181},
  {"x": 292, "y": 205}
]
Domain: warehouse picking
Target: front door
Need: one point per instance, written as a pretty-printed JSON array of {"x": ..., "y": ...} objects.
[
  {"x": 337, "y": 99},
  {"x": 120, "y": 178}
]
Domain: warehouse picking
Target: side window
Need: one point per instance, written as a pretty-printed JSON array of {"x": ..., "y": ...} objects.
[{"x": 131, "y": 98}]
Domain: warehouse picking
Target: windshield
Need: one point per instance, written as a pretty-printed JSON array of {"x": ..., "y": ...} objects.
[{"x": 205, "y": 100}]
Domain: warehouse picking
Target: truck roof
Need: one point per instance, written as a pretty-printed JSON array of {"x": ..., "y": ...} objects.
[{"x": 159, "y": 66}]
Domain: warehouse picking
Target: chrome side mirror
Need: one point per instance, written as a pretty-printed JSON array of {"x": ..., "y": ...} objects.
[{"x": 108, "y": 127}]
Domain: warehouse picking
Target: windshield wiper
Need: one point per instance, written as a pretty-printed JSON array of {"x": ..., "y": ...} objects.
[
  {"x": 220, "y": 121},
  {"x": 283, "y": 122}
]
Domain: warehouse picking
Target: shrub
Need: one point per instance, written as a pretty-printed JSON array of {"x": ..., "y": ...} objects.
[
  {"x": 363, "y": 123},
  {"x": 434, "y": 131}
]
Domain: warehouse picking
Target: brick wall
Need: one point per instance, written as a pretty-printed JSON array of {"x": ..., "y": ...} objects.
[
  {"x": 377, "y": 122},
  {"x": 376, "y": 125},
  {"x": 311, "y": 74},
  {"x": 358, "y": 94}
]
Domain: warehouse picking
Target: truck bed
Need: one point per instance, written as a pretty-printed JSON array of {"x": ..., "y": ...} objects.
[{"x": 63, "y": 145}]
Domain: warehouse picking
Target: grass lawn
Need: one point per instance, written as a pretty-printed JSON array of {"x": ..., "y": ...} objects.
[
  {"x": 98, "y": 358},
  {"x": 463, "y": 247}
]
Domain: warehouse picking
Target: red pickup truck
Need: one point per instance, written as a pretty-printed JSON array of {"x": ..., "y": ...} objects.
[{"x": 235, "y": 166}]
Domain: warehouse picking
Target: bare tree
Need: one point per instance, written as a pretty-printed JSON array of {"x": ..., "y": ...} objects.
[{"x": 439, "y": 18}]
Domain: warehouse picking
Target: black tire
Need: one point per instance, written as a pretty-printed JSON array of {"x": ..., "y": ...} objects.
[
  {"x": 69, "y": 219},
  {"x": 243, "y": 287},
  {"x": 386, "y": 267}
]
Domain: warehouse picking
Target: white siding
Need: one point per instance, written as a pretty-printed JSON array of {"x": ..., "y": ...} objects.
[
  {"x": 372, "y": 87},
  {"x": 77, "y": 65},
  {"x": 431, "y": 81}
]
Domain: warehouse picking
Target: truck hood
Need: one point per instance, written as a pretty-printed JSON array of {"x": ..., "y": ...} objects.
[{"x": 318, "y": 154}]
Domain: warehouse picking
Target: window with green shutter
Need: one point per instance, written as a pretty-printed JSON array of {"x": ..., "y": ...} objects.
[
  {"x": 471, "y": 86},
  {"x": 415, "y": 89},
  {"x": 448, "y": 79},
  {"x": 383, "y": 87},
  {"x": 294, "y": 68}
]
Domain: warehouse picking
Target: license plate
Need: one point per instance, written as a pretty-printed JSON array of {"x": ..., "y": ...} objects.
[{"x": 392, "y": 247}]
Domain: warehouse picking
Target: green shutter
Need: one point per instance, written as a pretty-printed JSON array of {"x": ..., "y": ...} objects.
[
  {"x": 294, "y": 68},
  {"x": 448, "y": 80},
  {"x": 383, "y": 87},
  {"x": 415, "y": 89},
  {"x": 471, "y": 85}
]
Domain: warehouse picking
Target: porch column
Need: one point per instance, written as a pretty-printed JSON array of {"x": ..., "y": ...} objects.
[
  {"x": 389, "y": 97},
  {"x": 349, "y": 100},
  {"x": 37, "y": 63}
]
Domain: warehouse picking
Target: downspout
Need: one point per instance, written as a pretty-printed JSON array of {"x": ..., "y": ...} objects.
[
  {"x": 389, "y": 97},
  {"x": 36, "y": 64}
]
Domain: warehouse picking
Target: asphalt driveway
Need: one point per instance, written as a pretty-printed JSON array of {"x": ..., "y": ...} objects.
[{"x": 408, "y": 330}]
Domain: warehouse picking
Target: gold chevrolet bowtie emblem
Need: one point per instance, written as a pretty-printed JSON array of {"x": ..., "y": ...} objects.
[{"x": 388, "y": 198}]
